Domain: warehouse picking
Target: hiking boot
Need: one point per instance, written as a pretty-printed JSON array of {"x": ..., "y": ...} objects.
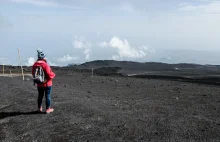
[
  {"x": 49, "y": 110},
  {"x": 40, "y": 109}
]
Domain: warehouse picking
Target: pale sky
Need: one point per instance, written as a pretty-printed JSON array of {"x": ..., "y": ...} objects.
[{"x": 76, "y": 31}]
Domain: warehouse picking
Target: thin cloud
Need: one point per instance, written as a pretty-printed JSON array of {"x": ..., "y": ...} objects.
[
  {"x": 46, "y": 3},
  {"x": 127, "y": 7},
  {"x": 87, "y": 53},
  {"x": 212, "y": 7},
  {"x": 30, "y": 61},
  {"x": 103, "y": 44},
  {"x": 51, "y": 64},
  {"x": 80, "y": 43},
  {"x": 165, "y": 59},
  {"x": 67, "y": 58},
  {"x": 40, "y": 3}
]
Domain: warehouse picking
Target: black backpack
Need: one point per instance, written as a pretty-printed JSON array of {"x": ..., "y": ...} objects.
[{"x": 39, "y": 75}]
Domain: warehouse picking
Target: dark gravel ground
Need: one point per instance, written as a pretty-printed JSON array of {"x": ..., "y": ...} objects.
[{"x": 110, "y": 109}]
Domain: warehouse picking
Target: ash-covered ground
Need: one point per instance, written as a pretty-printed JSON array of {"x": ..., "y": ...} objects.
[{"x": 105, "y": 108}]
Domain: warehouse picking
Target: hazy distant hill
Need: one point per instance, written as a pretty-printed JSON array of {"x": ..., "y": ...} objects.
[
  {"x": 135, "y": 65},
  {"x": 111, "y": 67},
  {"x": 129, "y": 67}
]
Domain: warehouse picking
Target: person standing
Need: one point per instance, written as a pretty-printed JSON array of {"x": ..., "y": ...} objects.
[{"x": 44, "y": 87}]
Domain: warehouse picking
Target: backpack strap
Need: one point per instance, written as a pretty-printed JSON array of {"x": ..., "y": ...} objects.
[{"x": 35, "y": 73}]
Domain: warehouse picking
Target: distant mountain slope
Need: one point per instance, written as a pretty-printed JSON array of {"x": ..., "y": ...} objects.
[{"x": 130, "y": 67}]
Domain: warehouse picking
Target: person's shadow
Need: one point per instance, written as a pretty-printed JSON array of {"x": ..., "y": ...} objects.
[{"x": 11, "y": 114}]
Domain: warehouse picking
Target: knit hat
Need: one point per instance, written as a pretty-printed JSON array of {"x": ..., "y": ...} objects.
[{"x": 40, "y": 54}]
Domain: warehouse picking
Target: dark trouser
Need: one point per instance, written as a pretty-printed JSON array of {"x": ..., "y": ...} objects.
[{"x": 41, "y": 92}]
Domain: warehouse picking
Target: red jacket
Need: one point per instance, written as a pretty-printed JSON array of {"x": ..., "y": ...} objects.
[{"x": 47, "y": 70}]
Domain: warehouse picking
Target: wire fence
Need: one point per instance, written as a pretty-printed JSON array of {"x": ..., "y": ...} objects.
[{"x": 8, "y": 70}]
